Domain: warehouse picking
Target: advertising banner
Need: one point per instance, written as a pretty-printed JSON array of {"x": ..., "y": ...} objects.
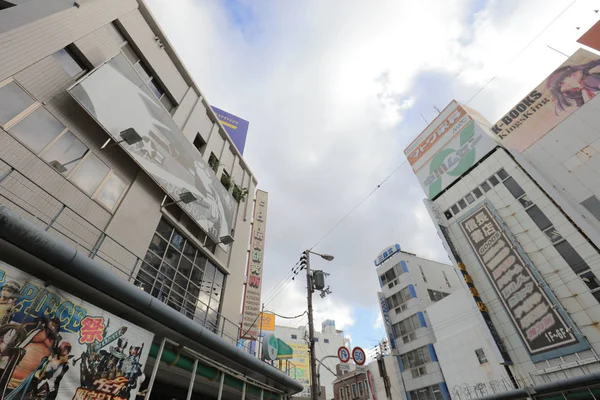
[
  {"x": 569, "y": 87},
  {"x": 592, "y": 37},
  {"x": 56, "y": 346},
  {"x": 300, "y": 367},
  {"x": 236, "y": 128},
  {"x": 540, "y": 325},
  {"x": 251, "y": 307},
  {"x": 266, "y": 322},
  {"x": 457, "y": 155},
  {"x": 116, "y": 97},
  {"x": 387, "y": 322}
]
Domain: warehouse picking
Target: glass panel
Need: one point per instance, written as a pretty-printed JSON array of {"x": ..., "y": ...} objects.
[
  {"x": 68, "y": 63},
  {"x": 553, "y": 234},
  {"x": 156, "y": 89},
  {"x": 67, "y": 150},
  {"x": 190, "y": 250},
  {"x": 130, "y": 53},
  {"x": 455, "y": 209},
  {"x": 477, "y": 192},
  {"x": 111, "y": 191},
  {"x": 89, "y": 174},
  {"x": 217, "y": 289},
  {"x": 590, "y": 280},
  {"x": 525, "y": 202},
  {"x": 514, "y": 188},
  {"x": 177, "y": 241},
  {"x": 462, "y": 204},
  {"x": 166, "y": 270},
  {"x": 37, "y": 130},
  {"x": 185, "y": 267},
  {"x": 181, "y": 283},
  {"x": 158, "y": 245},
  {"x": 172, "y": 257},
  {"x": 167, "y": 103},
  {"x": 571, "y": 256},
  {"x": 493, "y": 180},
  {"x": 485, "y": 186},
  {"x": 153, "y": 263},
  {"x": 13, "y": 100},
  {"x": 592, "y": 204},
  {"x": 502, "y": 174},
  {"x": 470, "y": 198},
  {"x": 142, "y": 71},
  {"x": 539, "y": 217},
  {"x": 164, "y": 229}
]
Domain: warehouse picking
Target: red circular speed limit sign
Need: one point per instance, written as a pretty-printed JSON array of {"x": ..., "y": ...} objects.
[
  {"x": 344, "y": 354},
  {"x": 359, "y": 355}
]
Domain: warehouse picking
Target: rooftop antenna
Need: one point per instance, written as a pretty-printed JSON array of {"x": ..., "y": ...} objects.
[
  {"x": 424, "y": 119},
  {"x": 437, "y": 109}
]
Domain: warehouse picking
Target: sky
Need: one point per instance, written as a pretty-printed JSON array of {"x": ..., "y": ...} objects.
[{"x": 334, "y": 91}]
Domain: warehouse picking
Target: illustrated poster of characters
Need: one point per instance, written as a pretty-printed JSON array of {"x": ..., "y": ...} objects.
[{"x": 56, "y": 346}]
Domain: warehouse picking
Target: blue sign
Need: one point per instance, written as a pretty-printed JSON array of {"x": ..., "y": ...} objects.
[
  {"x": 236, "y": 128},
  {"x": 386, "y": 253},
  {"x": 385, "y": 314}
]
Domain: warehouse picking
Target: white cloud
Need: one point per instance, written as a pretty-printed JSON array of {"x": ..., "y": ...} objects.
[
  {"x": 334, "y": 91},
  {"x": 378, "y": 322}
]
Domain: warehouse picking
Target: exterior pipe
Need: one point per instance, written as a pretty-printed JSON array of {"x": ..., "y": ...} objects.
[
  {"x": 221, "y": 383},
  {"x": 193, "y": 379},
  {"x": 65, "y": 258},
  {"x": 156, "y": 365}
]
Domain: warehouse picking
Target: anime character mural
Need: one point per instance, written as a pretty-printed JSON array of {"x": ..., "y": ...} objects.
[
  {"x": 574, "y": 85},
  {"x": 55, "y": 346}
]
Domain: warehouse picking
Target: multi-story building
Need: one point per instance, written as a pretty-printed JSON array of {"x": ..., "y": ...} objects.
[
  {"x": 107, "y": 145},
  {"x": 327, "y": 343},
  {"x": 352, "y": 385},
  {"x": 410, "y": 284},
  {"x": 526, "y": 247}
]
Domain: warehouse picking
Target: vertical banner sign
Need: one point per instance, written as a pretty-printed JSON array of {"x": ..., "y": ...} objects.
[
  {"x": 387, "y": 322},
  {"x": 592, "y": 37},
  {"x": 56, "y": 346},
  {"x": 371, "y": 385},
  {"x": 236, "y": 128},
  {"x": 540, "y": 326},
  {"x": 569, "y": 87},
  {"x": 251, "y": 309}
]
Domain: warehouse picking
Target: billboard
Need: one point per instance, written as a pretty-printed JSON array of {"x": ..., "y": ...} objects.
[
  {"x": 116, "y": 97},
  {"x": 236, "y": 128},
  {"x": 300, "y": 367},
  {"x": 569, "y": 87},
  {"x": 439, "y": 167},
  {"x": 251, "y": 308},
  {"x": 266, "y": 322},
  {"x": 539, "y": 324},
  {"x": 56, "y": 346},
  {"x": 592, "y": 37}
]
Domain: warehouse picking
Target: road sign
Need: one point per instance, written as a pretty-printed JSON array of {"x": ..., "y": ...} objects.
[
  {"x": 344, "y": 354},
  {"x": 358, "y": 355}
]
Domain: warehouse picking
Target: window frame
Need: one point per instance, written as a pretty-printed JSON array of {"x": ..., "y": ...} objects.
[{"x": 77, "y": 57}]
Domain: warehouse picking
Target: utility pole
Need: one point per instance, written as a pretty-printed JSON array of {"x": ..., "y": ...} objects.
[{"x": 311, "y": 330}]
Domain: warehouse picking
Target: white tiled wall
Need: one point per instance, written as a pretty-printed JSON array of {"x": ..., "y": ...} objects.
[{"x": 566, "y": 285}]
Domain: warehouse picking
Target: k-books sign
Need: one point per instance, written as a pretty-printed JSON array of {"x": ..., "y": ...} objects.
[
  {"x": 541, "y": 327},
  {"x": 569, "y": 87},
  {"x": 56, "y": 346}
]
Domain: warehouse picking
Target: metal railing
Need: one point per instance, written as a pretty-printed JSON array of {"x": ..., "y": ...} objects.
[{"x": 29, "y": 200}]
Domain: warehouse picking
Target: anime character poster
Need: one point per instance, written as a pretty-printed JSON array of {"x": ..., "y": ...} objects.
[
  {"x": 569, "y": 87},
  {"x": 56, "y": 346}
]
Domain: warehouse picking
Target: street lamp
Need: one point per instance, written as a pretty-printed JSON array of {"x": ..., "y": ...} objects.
[
  {"x": 184, "y": 197},
  {"x": 305, "y": 259}
]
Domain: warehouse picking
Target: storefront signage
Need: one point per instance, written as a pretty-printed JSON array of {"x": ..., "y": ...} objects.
[
  {"x": 535, "y": 317},
  {"x": 56, "y": 346},
  {"x": 386, "y": 253},
  {"x": 252, "y": 307}
]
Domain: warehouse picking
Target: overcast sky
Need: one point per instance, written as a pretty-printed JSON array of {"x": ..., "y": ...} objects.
[{"x": 334, "y": 91}]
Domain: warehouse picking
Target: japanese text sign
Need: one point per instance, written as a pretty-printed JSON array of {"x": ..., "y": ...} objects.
[
  {"x": 56, "y": 346},
  {"x": 539, "y": 324}
]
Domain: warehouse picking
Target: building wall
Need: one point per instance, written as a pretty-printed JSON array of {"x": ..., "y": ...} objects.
[
  {"x": 392, "y": 369},
  {"x": 460, "y": 331},
  {"x": 30, "y": 34},
  {"x": 347, "y": 384},
  {"x": 572, "y": 292},
  {"x": 421, "y": 276}
]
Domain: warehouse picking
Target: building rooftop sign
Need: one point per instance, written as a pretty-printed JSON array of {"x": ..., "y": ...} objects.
[{"x": 386, "y": 253}]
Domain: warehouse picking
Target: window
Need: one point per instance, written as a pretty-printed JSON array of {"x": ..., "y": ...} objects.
[
  {"x": 37, "y": 130},
  {"x": 361, "y": 389},
  {"x": 485, "y": 186},
  {"x": 354, "y": 390},
  {"x": 571, "y": 256},
  {"x": 477, "y": 192},
  {"x": 367, "y": 387},
  {"x": 13, "y": 101},
  {"x": 446, "y": 279},
  {"x": 435, "y": 295},
  {"x": 398, "y": 299},
  {"x": 417, "y": 372},
  {"x": 67, "y": 150},
  {"x": 200, "y": 143},
  {"x": 427, "y": 393},
  {"x": 341, "y": 393},
  {"x": 177, "y": 273},
  {"x": 592, "y": 204},
  {"x": 455, "y": 209},
  {"x": 416, "y": 358},
  {"x": 226, "y": 180},
  {"x": 347, "y": 392},
  {"x": 493, "y": 180},
  {"x": 213, "y": 161},
  {"x": 67, "y": 60},
  {"x": 388, "y": 276},
  {"x": 462, "y": 204},
  {"x": 539, "y": 217},
  {"x": 89, "y": 174},
  {"x": 423, "y": 274},
  {"x": 470, "y": 198},
  {"x": 148, "y": 77},
  {"x": 294, "y": 336},
  {"x": 316, "y": 339},
  {"x": 502, "y": 174},
  {"x": 111, "y": 192},
  {"x": 448, "y": 214},
  {"x": 590, "y": 280},
  {"x": 481, "y": 356},
  {"x": 406, "y": 326},
  {"x": 326, "y": 340},
  {"x": 514, "y": 188},
  {"x": 525, "y": 202},
  {"x": 553, "y": 235}
]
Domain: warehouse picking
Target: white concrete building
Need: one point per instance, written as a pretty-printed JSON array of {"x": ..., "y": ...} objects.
[
  {"x": 410, "y": 284},
  {"x": 327, "y": 343}
]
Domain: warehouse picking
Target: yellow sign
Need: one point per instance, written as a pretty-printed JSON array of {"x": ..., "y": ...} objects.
[{"x": 266, "y": 322}]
